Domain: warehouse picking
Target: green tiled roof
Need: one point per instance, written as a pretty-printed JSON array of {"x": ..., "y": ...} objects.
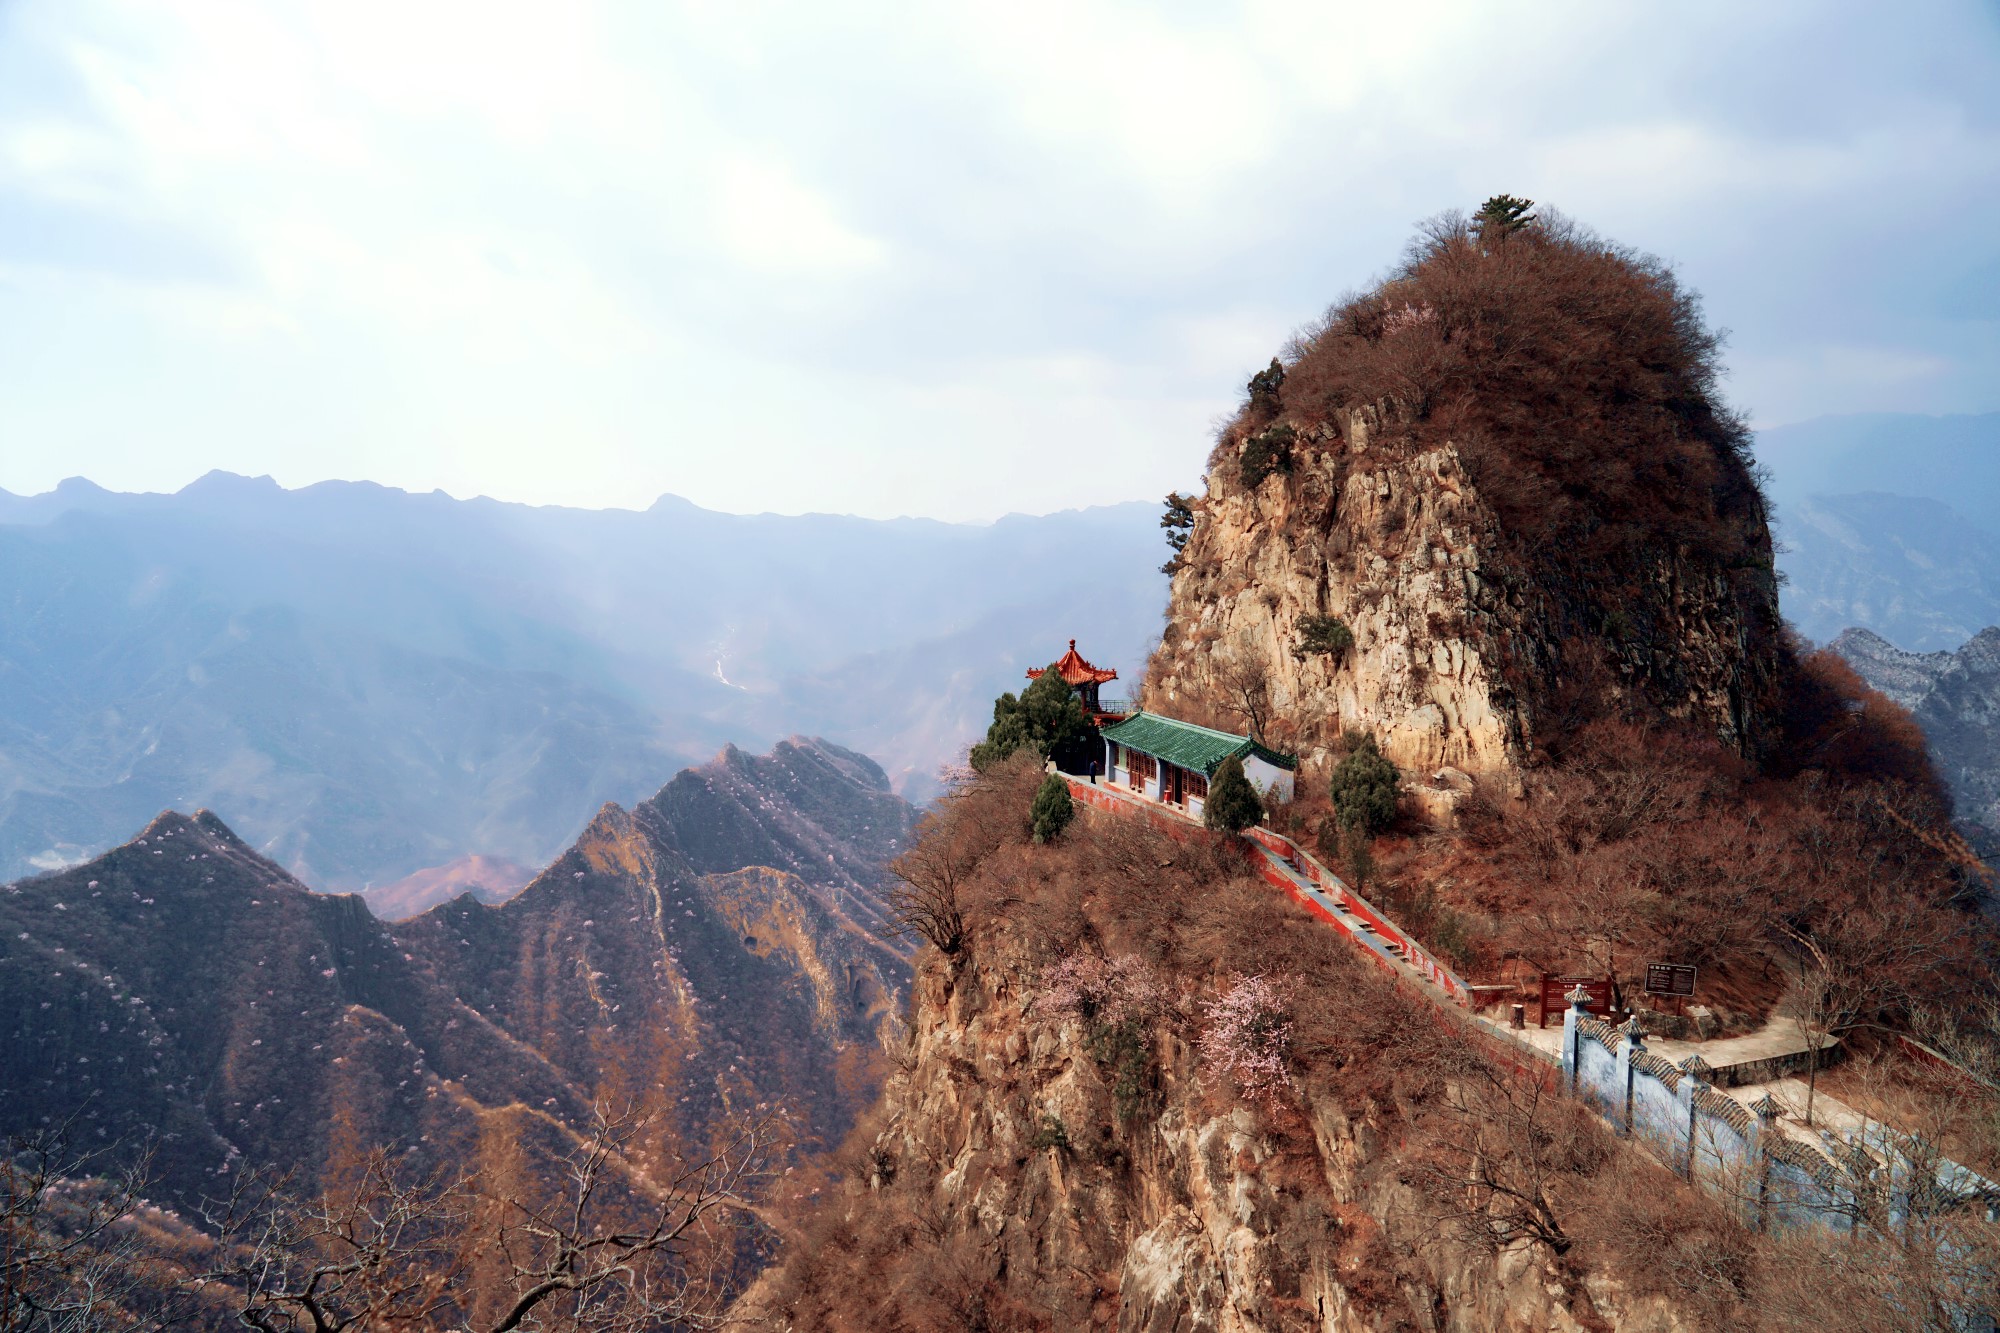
[{"x": 1183, "y": 744}]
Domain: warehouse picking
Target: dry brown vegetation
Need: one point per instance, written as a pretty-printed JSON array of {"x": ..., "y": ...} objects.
[
  {"x": 588, "y": 1243},
  {"x": 1831, "y": 872},
  {"x": 1614, "y": 492},
  {"x": 1481, "y": 1150},
  {"x": 1576, "y": 376}
]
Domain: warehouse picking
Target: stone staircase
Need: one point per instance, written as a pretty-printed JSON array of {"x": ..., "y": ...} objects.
[{"x": 1284, "y": 864}]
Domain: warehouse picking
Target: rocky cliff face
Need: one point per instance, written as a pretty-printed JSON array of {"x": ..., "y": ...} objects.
[
  {"x": 1068, "y": 1140},
  {"x": 184, "y": 989},
  {"x": 1955, "y": 698},
  {"x": 1463, "y": 643},
  {"x": 1042, "y": 1193}
]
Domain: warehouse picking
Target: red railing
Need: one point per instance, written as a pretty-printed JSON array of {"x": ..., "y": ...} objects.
[{"x": 1307, "y": 867}]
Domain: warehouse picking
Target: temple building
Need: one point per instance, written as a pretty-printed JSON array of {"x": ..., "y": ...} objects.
[
  {"x": 1171, "y": 762},
  {"x": 1158, "y": 757},
  {"x": 1083, "y": 679}
]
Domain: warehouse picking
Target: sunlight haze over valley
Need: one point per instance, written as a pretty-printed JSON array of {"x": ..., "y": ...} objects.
[{"x": 1254, "y": 667}]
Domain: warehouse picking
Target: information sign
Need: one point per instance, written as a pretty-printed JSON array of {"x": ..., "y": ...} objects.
[
  {"x": 1555, "y": 995},
  {"x": 1670, "y": 979}
]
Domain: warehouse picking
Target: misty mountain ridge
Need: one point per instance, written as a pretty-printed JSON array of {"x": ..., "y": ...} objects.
[
  {"x": 1889, "y": 521},
  {"x": 372, "y": 683}
]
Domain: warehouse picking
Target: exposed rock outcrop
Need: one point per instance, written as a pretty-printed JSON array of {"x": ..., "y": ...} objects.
[
  {"x": 1462, "y": 647},
  {"x": 1007, "y": 1135},
  {"x": 1955, "y": 698}
]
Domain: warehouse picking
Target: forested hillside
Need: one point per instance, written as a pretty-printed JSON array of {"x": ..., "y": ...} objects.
[{"x": 708, "y": 949}]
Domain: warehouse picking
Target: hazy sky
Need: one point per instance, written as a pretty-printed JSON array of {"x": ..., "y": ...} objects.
[{"x": 946, "y": 259}]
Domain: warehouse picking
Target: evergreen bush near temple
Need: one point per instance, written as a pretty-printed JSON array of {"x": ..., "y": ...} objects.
[
  {"x": 1232, "y": 804},
  {"x": 1046, "y": 717},
  {"x": 1364, "y": 790},
  {"x": 1053, "y": 809}
]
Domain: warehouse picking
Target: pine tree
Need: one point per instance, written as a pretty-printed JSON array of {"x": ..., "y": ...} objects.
[
  {"x": 1364, "y": 791},
  {"x": 1053, "y": 808},
  {"x": 1179, "y": 523},
  {"x": 1502, "y": 216},
  {"x": 1265, "y": 386},
  {"x": 1327, "y": 635},
  {"x": 1047, "y": 715},
  {"x": 1232, "y": 803}
]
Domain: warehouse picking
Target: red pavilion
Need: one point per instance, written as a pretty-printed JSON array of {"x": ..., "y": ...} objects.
[{"x": 1084, "y": 679}]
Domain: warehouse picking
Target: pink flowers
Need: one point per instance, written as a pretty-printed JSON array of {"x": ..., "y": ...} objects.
[
  {"x": 1109, "y": 990},
  {"x": 1248, "y": 1037},
  {"x": 1408, "y": 317}
]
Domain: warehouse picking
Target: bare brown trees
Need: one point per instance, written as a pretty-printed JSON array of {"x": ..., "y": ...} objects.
[
  {"x": 1871, "y": 937},
  {"x": 1499, "y": 1153},
  {"x": 934, "y": 876},
  {"x": 604, "y": 1249},
  {"x": 1246, "y": 692},
  {"x": 72, "y": 1259},
  {"x": 1922, "y": 1249}
]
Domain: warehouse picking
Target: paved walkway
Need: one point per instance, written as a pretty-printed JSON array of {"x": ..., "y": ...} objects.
[{"x": 1776, "y": 1040}]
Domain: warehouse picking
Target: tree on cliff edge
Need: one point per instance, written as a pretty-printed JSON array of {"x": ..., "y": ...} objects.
[
  {"x": 1046, "y": 717},
  {"x": 1053, "y": 808}
]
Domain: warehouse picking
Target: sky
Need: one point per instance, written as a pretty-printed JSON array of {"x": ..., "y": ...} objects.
[{"x": 950, "y": 260}]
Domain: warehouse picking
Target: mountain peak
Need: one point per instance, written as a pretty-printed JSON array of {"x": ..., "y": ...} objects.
[
  {"x": 169, "y": 823},
  {"x": 218, "y": 482},
  {"x": 166, "y": 823}
]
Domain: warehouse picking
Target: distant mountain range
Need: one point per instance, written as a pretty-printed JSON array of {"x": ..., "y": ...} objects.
[
  {"x": 1892, "y": 530},
  {"x": 713, "y": 947},
  {"x": 370, "y": 684},
  {"x": 1892, "y": 523}
]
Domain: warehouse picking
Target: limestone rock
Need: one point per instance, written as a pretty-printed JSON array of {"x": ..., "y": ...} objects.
[
  {"x": 1460, "y": 645},
  {"x": 1193, "y": 1217}
]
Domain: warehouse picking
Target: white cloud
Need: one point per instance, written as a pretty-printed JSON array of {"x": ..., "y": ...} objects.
[
  {"x": 770, "y": 221},
  {"x": 556, "y": 252},
  {"x": 55, "y": 858}
]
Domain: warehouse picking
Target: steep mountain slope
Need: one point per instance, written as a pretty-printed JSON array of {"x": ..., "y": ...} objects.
[
  {"x": 1955, "y": 697},
  {"x": 695, "y": 953},
  {"x": 185, "y": 985},
  {"x": 1508, "y": 475},
  {"x": 374, "y": 683},
  {"x": 1064, "y": 1145}
]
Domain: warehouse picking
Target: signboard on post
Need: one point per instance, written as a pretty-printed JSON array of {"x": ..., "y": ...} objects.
[
  {"x": 1670, "y": 979},
  {"x": 1675, "y": 979},
  {"x": 1555, "y": 995}
]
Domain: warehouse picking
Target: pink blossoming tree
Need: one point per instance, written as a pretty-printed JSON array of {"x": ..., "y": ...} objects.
[{"x": 1247, "y": 1038}]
